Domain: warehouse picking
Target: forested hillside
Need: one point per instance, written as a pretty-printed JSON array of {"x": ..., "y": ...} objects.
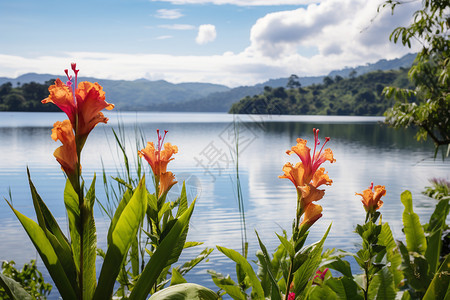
[
  {"x": 361, "y": 95},
  {"x": 26, "y": 97}
]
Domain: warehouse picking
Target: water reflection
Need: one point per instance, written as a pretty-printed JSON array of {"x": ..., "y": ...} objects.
[{"x": 365, "y": 151}]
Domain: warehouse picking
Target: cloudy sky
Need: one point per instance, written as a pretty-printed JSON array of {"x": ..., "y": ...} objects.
[{"x": 231, "y": 42}]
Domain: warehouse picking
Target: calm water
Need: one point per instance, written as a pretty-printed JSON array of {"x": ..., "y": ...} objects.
[{"x": 365, "y": 151}]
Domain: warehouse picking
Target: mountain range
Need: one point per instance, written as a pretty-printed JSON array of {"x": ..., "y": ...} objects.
[{"x": 160, "y": 95}]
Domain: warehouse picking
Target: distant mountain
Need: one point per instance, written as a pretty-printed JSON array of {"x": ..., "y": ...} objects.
[
  {"x": 143, "y": 94},
  {"x": 222, "y": 101},
  {"x": 137, "y": 94}
]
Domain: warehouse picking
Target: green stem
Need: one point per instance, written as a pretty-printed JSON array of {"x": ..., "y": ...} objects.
[{"x": 288, "y": 285}]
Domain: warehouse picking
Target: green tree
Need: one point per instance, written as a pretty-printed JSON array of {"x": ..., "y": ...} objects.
[
  {"x": 427, "y": 106},
  {"x": 293, "y": 82}
]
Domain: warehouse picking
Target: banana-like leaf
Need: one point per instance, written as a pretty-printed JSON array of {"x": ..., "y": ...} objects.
[
  {"x": 13, "y": 288},
  {"x": 47, "y": 254},
  {"x": 123, "y": 203},
  {"x": 385, "y": 238},
  {"x": 54, "y": 234},
  {"x": 183, "y": 201},
  {"x": 415, "y": 237},
  {"x": 344, "y": 287},
  {"x": 160, "y": 257},
  {"x": 124, "y": 232},
  {"x": 89, "y": 247},
  {"x": 382, "y": 285},
  {"x": 257, "y": 289},
  {"x": 188, "y": 291},
  {"x": 440, "y": 285},
  {"x": 433, "y": 252}
]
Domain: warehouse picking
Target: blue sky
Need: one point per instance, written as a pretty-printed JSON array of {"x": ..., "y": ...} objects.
[{"x": 231, "y": 42}]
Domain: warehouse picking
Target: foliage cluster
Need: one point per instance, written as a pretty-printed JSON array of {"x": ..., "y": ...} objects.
[
  {"x": 356, "y": 95},
  {"x": 25, "y": 97},
  {"x": 29, "y": 278}
]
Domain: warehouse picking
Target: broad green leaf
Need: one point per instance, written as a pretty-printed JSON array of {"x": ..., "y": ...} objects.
[
  {"x": 134, "y": 256},
  {"x": 275, "y": 290},
  {"x": 440, "y": 285},
  {"x": 392, "y": 253},
  {"x": 177, "y": 278},
  {"x": 192, "y": 244},
  {"x": 47, "y": 254},
  {"x": 55, "y": 235},
  {"x": 415, "y": 237},
  {"x": 89, "y": 245},
  {"x": 160, "y": 257},
  {"x": 321, "y": 292},
  {"x": 73, "y": 213},
  {"x": 339, "y": 265},
  {"x": 433, "y": 252},
  {"x": 382, "y": 286},
  {"x": 13, "y": 288},
  {"x": 122, "y": 236},
  {"x": 188, "y": 291},
  {"x": 123, "y": 203},
  {"x": 437, "y": 219},
  {"x": 257, "y": 289},
  {"x": 344, "y": 287}
]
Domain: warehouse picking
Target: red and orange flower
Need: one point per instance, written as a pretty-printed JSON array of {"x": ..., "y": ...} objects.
[
  {"x": 307, "y": 177},
  {"x": 372, "y": 200},
  {"x": 158, "y": 159},
  {"x": 81, "y": 102}
]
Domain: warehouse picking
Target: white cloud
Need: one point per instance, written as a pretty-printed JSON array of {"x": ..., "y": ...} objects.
[
  {"x": 178, "y": 26},
  {"x": 336, "y": 33},
  {"x": 206, "y": 34},
  {"x": 164, "y": 37},
  {"x": 168, "y": 14},
  {"x": 240, "y": 2}
]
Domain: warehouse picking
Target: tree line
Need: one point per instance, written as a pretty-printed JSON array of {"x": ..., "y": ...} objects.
[
  {"x": 25, "y": 97},
  {"x": 356, "y": 95}
]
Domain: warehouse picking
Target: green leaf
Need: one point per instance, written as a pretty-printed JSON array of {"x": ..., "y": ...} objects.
[
  {"x": 392, "y": 253},
  {"x": 89, "y": 238},
  {"x": 308, "y": 269},
  {"x": 73, "y": 213},
  {"x": 228, "y": 285},
  {"x": 439, "y": 287},
  {"x": 433, "y": 252},
  {"x": 187, "y": 266},
  {"x": 188, "y": 291},
  {"x": 13, "y": 288},
  {"x": 382, "y": 286},
  {"x": 257, "y": 289},
  {"x": 275, "y": 291},
  {"x": 124, "y": 232},
  {"x": 54, "y": 234},
  {"x": 415, "y": 237},
  {"x": 339, "y": 265},
  {"x": 47, "y": 254},
  {"x": 123, "y": 203},
  {"x": 437, "y": 219},
  {"x": 344, "y": 287},
  {"x": 287, "y": 244},
  {"x": 177, "y": 278},
  {"x": 160, "y": 257},
  {"x": 183, "y": 201}
]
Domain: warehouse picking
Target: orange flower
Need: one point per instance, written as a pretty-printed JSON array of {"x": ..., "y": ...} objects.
[
  {"x": 313, "y": 212},
  {"x": 167, "y": 180},
  {"x": 310, "y": 194},
  {"x": 294, "y": 174},
  {"x": 311, "y": 163},
  {"x": 158, "y": 158},
  {"x": 82, "y": 103},
  {"x": 371, "y": 200},
  {"x": 66, "y": 155}
]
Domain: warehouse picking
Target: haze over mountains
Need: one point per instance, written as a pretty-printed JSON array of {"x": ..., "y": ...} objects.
[{"x": 143, "y": 94}]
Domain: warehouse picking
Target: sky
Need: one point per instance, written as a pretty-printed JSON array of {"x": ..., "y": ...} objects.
[{"x": 229, "y": 42}]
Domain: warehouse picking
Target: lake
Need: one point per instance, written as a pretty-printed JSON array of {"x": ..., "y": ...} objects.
[{"x": 365, "y": 151}]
